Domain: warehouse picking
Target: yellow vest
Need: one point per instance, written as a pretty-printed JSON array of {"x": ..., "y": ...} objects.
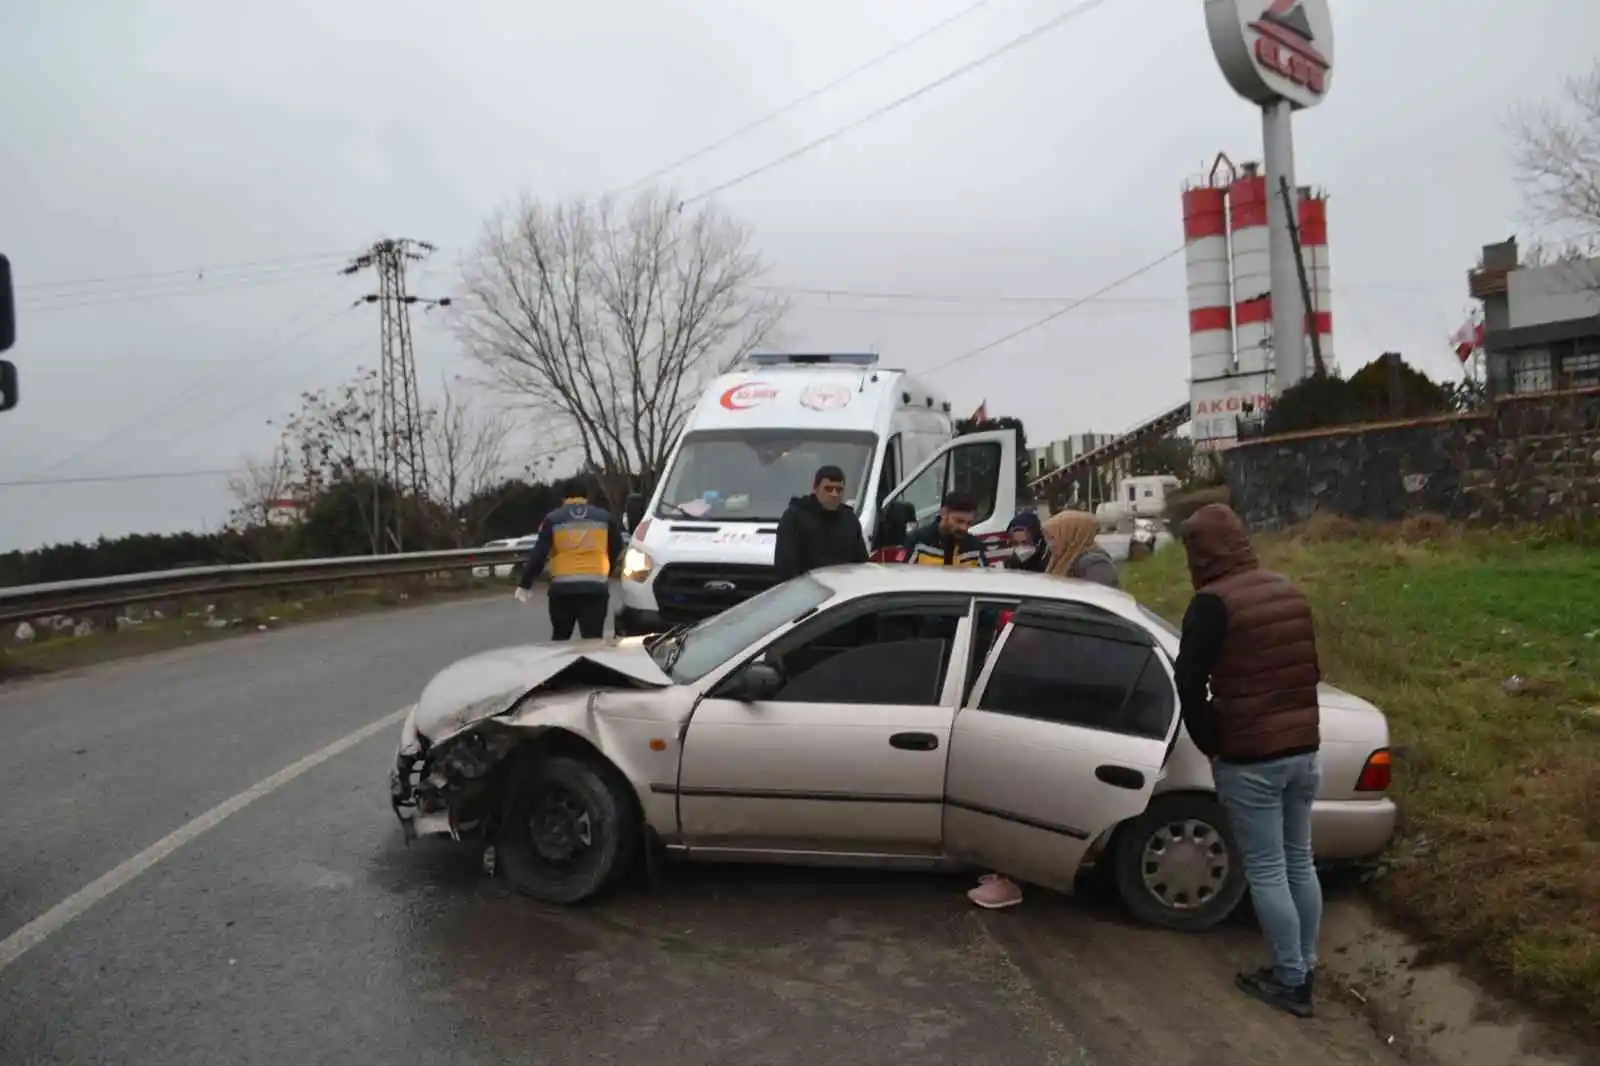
[{"x": 579, "y": 545}]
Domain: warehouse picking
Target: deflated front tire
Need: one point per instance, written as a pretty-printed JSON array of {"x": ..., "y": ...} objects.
[{"x": 568, "y": 831}]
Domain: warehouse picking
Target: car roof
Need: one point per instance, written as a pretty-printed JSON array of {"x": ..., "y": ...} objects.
[{"x": 864, "y": 578}]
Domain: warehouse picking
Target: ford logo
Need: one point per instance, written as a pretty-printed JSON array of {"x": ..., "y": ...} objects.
[{"x": 720, "y": 586}]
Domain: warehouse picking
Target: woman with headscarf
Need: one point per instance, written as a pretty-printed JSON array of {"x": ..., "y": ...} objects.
[
  {"x": 1070, "y": 540},
  {"x": 1073, "y": 551}
]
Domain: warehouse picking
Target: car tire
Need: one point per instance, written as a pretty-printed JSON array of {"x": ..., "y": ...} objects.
[
  {"x": 568, "y": 830},
  {"x": 1204, "y": 897}
]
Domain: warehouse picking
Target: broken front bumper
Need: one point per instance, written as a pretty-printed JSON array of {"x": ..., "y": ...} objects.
[{"x": 431, "y": 785}]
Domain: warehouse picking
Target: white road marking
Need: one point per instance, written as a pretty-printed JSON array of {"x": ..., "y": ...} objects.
[{"x": 29, "y": 936}]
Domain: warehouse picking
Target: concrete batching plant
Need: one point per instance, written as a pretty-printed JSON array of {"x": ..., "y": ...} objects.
[{"x": 1231, "y": 351}]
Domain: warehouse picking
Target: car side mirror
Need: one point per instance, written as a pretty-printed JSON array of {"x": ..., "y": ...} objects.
[
  {"x": 633, "y": 509},
  {"x": 756, "y": 682},
  {"x": 8, "y": 385}
]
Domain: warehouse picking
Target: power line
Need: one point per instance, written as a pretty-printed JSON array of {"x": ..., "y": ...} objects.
[
  {"x": 1053, "y": 315},
  {"x": 1165, "y": 308},
  {"x": 272, "y": 349},
  {"x": 101, "y": 479},
  {"x": 799, "y": 101},
  {"x": 183, "y": 272},
  {"x": 944, "y": 79},
  {"x": 999, "y": 298},
  {"x": 964, "y": 301},
  {"x": 104, "y": 297},
  {"x": 91, "y": 479},
  {"x": 254, "y": 400}
]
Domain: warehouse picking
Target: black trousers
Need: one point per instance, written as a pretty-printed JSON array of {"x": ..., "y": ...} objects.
[{"x": 586, "y": 610}]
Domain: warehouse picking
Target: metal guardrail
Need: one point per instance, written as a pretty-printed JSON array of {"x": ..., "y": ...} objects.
[{"x": 21, "y": 602}]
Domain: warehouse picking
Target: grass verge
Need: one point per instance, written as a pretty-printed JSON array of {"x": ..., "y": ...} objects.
[
  {"x": 181, "y": 623},
  {"x": 1498, "y": 861}
]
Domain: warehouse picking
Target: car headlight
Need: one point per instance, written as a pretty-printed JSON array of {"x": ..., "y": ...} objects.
[{"x": 637, "y": 564}]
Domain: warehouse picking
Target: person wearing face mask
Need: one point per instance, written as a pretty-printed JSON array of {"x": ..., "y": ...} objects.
[{"x": 1028, "y": 551}]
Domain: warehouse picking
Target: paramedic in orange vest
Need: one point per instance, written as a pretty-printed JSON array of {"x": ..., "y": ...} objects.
[{"x": 579, "y": 542}]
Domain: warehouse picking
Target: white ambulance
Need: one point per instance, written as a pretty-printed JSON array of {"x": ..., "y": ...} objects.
[{"x": 705, "y": 539}]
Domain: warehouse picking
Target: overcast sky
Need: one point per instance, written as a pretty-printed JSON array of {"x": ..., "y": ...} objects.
[{"x": 144, "y": 141}]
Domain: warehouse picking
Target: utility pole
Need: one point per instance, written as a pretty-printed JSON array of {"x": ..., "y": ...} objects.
[
  {"x": 402, "y": 460},
  {"x": 1319, "y": 369}
]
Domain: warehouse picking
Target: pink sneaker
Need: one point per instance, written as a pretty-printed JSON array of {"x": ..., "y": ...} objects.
[{"x": 994, "y": 892}]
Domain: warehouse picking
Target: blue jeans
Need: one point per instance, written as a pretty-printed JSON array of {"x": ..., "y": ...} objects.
[{"x": 1269, "y": 808}]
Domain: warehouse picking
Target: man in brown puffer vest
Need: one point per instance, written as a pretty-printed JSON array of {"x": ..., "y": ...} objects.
[{"x": 1248, "y": 633}]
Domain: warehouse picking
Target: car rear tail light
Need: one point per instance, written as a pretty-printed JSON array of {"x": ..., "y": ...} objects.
[{"x": 1375, "y": 775}]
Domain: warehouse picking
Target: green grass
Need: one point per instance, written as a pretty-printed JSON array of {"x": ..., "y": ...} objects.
[{"x": 1499, "y": 855}]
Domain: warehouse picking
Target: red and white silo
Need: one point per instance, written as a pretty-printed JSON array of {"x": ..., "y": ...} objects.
[
  {"x": 1252, "y": 277},
  {"x": 1314, "y": 250},
  {"x": 1205, "y": 235}
]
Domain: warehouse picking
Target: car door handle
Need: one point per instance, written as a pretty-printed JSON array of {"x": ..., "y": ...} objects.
[
  {"x": 1120, "y": 776},
  {"x": 914, "y": 742}
]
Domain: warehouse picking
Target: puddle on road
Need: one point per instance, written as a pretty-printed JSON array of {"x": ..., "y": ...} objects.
[
  {"x": 800, "y": 965},
  {"x": 858, "y": 969}
]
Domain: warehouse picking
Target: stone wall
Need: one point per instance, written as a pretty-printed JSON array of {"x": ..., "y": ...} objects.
[{"x": 1527, "y": 459}]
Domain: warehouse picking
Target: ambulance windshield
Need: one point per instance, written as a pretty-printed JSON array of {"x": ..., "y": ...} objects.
[{"x": 749, "y": 475}]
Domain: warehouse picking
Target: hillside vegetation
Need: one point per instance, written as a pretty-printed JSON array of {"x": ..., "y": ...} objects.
[{"x": 1484, "y": 650}]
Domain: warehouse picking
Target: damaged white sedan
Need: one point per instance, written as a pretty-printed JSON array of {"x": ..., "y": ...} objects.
[{"x": 863, "y": 715}]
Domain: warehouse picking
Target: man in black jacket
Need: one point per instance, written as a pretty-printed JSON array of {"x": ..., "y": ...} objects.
[{"x": 819, "y": 529}]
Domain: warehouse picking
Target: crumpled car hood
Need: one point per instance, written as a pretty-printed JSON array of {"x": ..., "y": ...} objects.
[{"x": 481, "y": 686}]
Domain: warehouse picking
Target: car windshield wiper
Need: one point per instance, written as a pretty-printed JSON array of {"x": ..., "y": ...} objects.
[
  {"x": 670, "y": 659},
  {"x": 656, "y": 640}
]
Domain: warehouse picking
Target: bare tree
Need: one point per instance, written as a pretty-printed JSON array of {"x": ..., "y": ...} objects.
[
  {"x": 261, "y": 487},
  {"x": 260, "y": 491},
  {"x": 1556, "y": 153},
  {"x": 466, "y": 446},
  {"x": 334, "y": 440},
  {"x": 607, "y": 322}
]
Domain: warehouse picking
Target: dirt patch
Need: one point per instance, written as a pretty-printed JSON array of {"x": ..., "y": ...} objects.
[
  {"x": 1480, "y": 649},
  {"x": 1431, "y": 1010}
]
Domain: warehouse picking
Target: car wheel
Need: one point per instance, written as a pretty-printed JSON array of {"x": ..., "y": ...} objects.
[
  {"x": 568, "y": 830},
  {"x": 1177, "y": 866}
]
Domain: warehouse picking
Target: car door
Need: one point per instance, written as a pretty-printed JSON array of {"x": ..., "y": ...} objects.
[
  {"x": 981, "y": 464},
  {"x": 848, "y": 757},
  {"x": 1064, "y": 735}
]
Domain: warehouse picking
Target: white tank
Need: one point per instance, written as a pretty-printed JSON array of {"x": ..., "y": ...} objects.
[
  {"x": 1205, "y": 234},
  {"x": 1252, "y": 272},
  {"x": 1314, "y": 247}
]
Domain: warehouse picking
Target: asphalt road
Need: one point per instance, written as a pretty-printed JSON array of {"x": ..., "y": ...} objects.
[{"x": 300, "y": 929}]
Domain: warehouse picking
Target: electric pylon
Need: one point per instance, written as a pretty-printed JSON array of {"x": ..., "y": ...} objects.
[{"x": 402, "y": 460}]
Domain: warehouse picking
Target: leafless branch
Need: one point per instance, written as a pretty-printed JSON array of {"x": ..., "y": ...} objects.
[
  {"x": 607, "y": 322},
  {"x": 261, "y": 488},
  {"x": 1556, "y": 154},
  {"x": 335, "y": 438},
  {"x": 466, "y": 445}
]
